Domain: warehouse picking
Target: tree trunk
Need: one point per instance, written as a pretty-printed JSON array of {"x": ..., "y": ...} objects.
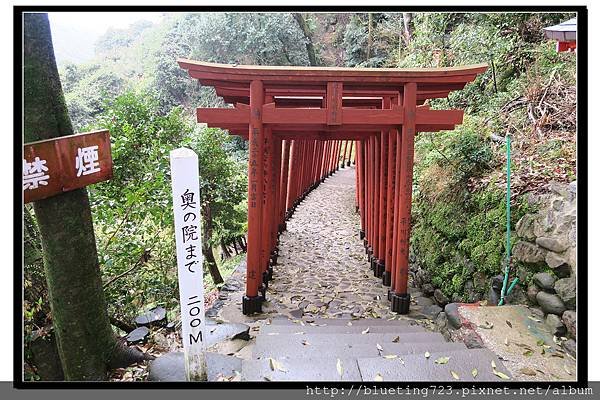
[
  {"x": 85, "y": 341},
  {"x": 209, "y": 257},
  {"x": 407, "y": 19},
  {"x": 225, "y": 250},
  {"x": 243, "y": 244},
  {"x": 235, "y": 248},
  {"x": 310, "y": 48}
]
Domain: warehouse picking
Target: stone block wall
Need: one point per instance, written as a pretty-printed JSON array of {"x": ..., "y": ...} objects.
[{"x": 548, "y": 243}]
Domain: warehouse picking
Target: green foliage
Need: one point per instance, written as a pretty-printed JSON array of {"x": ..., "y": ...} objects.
[
  {"x": 132, "y": 211},
  {"x": 458, "y": 230},
  {"x": 246, "y": 38},
  {"x": 85, "y": 89},
  {"x": 223, "y": 184},
  {"x": 362, "y": 51}
]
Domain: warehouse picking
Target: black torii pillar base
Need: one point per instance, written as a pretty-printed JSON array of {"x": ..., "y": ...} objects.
[
  {"x": 386, "y": 279},
  {"x": 400, "y": 303},
  {"x": 252, "y": 305},
  {"x": 379, "y": 268}
]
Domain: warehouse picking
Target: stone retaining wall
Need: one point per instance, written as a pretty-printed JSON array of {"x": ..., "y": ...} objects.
[
  {"x": 548, "y": 243},
  {"x": 545, "y": 261}
]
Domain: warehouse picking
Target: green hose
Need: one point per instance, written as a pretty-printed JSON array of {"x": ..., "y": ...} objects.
[{"x": 503, "y": 293}]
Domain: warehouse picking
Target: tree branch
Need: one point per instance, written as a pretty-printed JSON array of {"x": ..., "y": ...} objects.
[{"x": 310, "y": 48}]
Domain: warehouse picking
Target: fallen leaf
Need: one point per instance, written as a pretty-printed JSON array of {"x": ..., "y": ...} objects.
[
  {"x": 339, "y": 367},
  {"x": 379, "y": 347},
  {"x": 266, "y": 378},
  {"x": 442, "y": 360},
  {"x": 567, "y": 370},
  {"x": 305, "y": 342},
  {"x": 349, "y": 323},
  {"x": 454, "y": 375},
  {"x": 528, "y": 353},
  {"x": 390, "y": 356},
  {"x": 493, "y": 364},
  {"x": 474, "y": 372},
  {"x": 527, "y": 371},
  {"x": 396, "y": 339},
  {"x": 508, "y": 323},
  {"x": 540, "y": 342},
  {"x": 378, "y": 377},
  {"x": 487, "y": 325},
  {"x": 365, "y": 331},
  {"x": 276, "y": 365},
  {"x": 506, "y": 341},
  {"x": 533, "y": 319},
  {"x": 427, "y": 355},
  {"x": 500, "y": 374}
]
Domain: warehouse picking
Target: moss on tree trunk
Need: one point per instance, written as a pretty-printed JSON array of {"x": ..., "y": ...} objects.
[{"x": 86, "y": 343}]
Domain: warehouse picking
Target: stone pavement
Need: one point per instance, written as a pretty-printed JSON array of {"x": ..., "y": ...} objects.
[{"x": 322, "y": 268}]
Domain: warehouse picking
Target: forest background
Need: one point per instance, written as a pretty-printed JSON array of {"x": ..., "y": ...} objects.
[{"x": 133, "y": 87}]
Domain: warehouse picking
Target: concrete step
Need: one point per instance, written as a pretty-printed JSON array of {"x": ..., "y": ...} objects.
[
  {"x": 273, "y": 330},
  {"x": 295, "y": 351},
  {"x": 416, "y": 367},
  {"x": 301, "y": 370},
  {"x": 340, "y": 321},
  {"x": 284, "y": 340}
]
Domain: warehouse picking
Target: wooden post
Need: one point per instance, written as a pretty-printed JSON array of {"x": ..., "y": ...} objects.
[
  {"x": 391, "y": 172},
  {"x": 267, "y": 210},
  {"x": 283, "y": 186},
  {"x": 361, "y": 186},
  {"x": 275, "y": 196},
  {"x": 293, "y": 171},
  {"x": 251, "y": 302},
  {"x": 401, "y": 297},
  {"x": 186, "y": 209},
  {"x": 350, "y": 153},
  {"x": 368, "y": 199},
  {"x": 380, "y": 267}
]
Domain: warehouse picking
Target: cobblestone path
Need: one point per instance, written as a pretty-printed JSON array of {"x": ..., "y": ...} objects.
[{"x": 322, "y": 268}]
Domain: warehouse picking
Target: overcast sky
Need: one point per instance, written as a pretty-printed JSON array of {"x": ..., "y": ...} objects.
[
  {"x": 99, "y": 22},
  {"x": 74, "y": 33}
]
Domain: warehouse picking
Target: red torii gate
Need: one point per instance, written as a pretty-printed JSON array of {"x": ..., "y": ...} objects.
[{"x": 296, "y": 120}]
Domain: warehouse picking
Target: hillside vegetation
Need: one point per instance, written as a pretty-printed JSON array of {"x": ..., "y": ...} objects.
[{"x": 135, "y": 88}]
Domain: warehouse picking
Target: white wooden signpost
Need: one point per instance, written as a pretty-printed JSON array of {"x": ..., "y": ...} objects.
[{"x": 186, "y": 208}]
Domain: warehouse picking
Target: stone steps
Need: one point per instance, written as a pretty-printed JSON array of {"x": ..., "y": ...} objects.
[
  {"x": 339, "y": 322},
  {"x": 416, "y": 367},
  {"x": 274, "y": 330},
  {"x": 285, "y": 350},
  {"x": 301, "y": 370},
  {"x": 408, "y": 367},
  {"x": 283, "y": 340},
  {"x": 266, "y": 350}
]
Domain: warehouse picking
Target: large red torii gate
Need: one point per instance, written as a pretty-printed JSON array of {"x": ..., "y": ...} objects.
[{"x": 296, "y": 120}]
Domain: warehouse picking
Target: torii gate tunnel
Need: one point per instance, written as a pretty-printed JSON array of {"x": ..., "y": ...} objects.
[{"x": 303, "y": 123}]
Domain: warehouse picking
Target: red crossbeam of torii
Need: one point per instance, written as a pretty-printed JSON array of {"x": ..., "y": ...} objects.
[{"x": 300, "y": 121}]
